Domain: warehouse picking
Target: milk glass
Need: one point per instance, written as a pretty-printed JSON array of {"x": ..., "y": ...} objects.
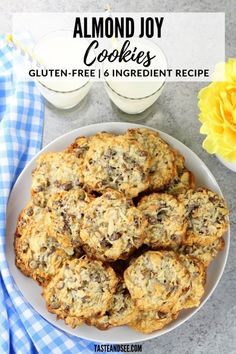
[
  {"x": 59, "y": 50},
  {"x": 135, "y": 97}
]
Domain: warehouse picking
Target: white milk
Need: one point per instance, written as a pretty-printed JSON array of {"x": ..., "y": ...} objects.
[
  {"x": 135, "y": 96},
  {"x": 59, "y": 50},
  {"x": 129, "y": 104}
]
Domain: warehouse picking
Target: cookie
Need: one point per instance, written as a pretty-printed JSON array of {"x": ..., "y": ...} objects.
[
  {"x": 116, "y": 163},
  {"x": 183, "y": 180},
  {"x": 38, "y": 254},
  {"x": 207, "y": 216},
  {"x": 205, "y": 254},
  {"x": 148, "y": 322},
  {"x": 79, "y": 147},
  {"x": 192, "y": 295},
  {"x": 65, "y": 211},
  {"x": 81, "y": 144},
  {"x": 163, "y": 167},
  {"x": 122, "y": 310},
  {"x": 54, "y": 172},
  {"x": 31, "y": 213},
  {"x": 181, "y": 183},
  {"x": 81, "y": 289},
  {"x": 101, "y": 136},
  {"x": 179, "y": 161},
  {"x": 166, "y": 220},
  {"x": 112, "y": 227},
  {"x": 156, "y": 280}
]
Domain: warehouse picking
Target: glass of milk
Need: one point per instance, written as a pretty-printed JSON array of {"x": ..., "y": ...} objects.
[
  {"x": 135, "y": 97},
  {"x": 59, "y": 50}
]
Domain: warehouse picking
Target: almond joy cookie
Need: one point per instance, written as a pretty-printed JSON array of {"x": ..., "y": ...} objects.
[
  {"x": 166, "y": 220},
  {"x": 184, "y": 179},
  {"x": 79, "y": 147},
  {"x": 156, "y": 280},
  {"x": 150, "y": 321},
  {"x": 163, "y": 167},
  {"x": 122, "y": 310},
  {"x": 181, "y": 183},
  {"x": 38, "y": 254},
  {"x": 81, "y": 289},
  {"x": 54, "y": 172},
  {"x": 192, "y": 295},
  {"x": 112, "y": 227},
  {"x": 81, "y": 144},
  {"x": 65, "y": 211},
  {"x": 205, "y": 254},
  {"x": 115, "y": 162},
  {"x": 207, "y": 216},
  {"x": 30, "y": 214}
]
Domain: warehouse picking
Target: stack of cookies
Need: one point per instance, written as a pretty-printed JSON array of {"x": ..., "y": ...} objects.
[{"x": 116, "y": 232}]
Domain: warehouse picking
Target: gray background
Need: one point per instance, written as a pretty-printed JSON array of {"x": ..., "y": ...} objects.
[{"x": 213, "y": 329}]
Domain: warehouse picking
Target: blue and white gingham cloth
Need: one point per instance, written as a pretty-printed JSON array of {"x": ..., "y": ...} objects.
[{"x": 22, "y": 329}]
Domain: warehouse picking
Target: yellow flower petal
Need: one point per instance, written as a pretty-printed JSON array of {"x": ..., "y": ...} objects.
[
  {"x": 216, "y": 129},
  {"x": 203, "y": 92},
  {"x": 230, "y": 157},
  {"x": 210, "y": 145},
  {"x": 234, "y": 116},
  {"x": 230, "y": 70},
  {"x": 217, "y": 105},
  {"x": 205, "y": 129},
  {"x": 230, "y": 137}
]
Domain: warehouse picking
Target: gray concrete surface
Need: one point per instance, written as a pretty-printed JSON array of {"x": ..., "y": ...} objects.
[{"x": 213, "y": 329}]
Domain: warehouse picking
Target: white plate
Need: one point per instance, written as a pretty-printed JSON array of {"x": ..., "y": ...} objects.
[{"x": 32, "y": 292}]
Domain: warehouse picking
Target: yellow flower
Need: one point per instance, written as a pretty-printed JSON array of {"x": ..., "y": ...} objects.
[{"x": 217, "y": 104}]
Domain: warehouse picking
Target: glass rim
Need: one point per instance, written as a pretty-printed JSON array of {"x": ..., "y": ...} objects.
[
  {"x": 58, "y": 91},
  {"x": 135, "y": 98}
]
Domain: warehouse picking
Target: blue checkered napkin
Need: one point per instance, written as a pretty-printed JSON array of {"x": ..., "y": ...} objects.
[{"x": 22, "y": 330}]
